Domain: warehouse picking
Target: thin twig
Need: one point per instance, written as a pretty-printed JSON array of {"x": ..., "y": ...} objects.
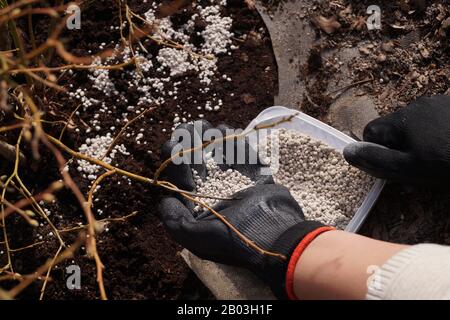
[
  {"x": 122, "y": 172},
  {"x": 28, "y": 247},
  {"x": 67, "y": 122},
  {"x": 90, "y": 242},
  {"x": 11, "y": 127},
  {"x": 47, "y": 276},
  {"x": 22, "y": 213},
  {"x": 247, "y": 241},
  {"x": 92, "y": 226},
  {"x": 74, "y": 66},
  {"x": 8, "y": 181},
  {"x": 345, "y": 88},
  {"x": 216, "y": 141},
  {"x": 28, "y": 201},
  {"x": 101, "y": 221}
]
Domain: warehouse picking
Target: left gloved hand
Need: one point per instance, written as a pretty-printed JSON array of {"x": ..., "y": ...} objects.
[{"x": 266, "y": 214}]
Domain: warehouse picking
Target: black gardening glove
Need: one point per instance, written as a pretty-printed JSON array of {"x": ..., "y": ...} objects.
[
  {"x": 266, "y": 214},
  {"x": 409, "y": 145}
]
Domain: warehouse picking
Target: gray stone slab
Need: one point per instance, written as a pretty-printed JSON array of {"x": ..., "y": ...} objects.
[
  {"x": 226, "y": 282},
  {"x": 292, "y": 37},
  {"x": 350, "y": 114}
]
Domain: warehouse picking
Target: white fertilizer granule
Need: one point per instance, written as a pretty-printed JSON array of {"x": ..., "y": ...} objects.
[
  {"x": 97, "y": 148},
  {"x": 219, "y": 183},
  {"x": 326, "y": 187}
]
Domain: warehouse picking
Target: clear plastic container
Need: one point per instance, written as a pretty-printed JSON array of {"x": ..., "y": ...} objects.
[{"x": 332, "y": 137}]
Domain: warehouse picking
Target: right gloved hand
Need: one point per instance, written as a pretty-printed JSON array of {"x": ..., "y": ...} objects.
[{"x": 409, "y": 145}]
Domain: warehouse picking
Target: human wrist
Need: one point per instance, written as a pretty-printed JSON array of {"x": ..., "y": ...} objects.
[
  {"x": 276, "y": 271},
  {"x": 338, "y": 264},
  {"x": 295, "y": 257}
]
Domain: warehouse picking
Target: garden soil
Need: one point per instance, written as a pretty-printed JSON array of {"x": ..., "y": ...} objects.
[{"x": 141, "y": 260}]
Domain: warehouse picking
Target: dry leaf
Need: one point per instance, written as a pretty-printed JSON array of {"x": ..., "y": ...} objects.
[
  {"x": 425, "y": 53},
  {"x": 359, "y": 23},
  {"x": 247, "y": 98},
  {"x": 250, "y": 4},
  {"x": 388, "y": 46},
  {"x": 364, "y": 50},
  {"x": 329, "y": 25},
  {"x": 381, "y": 58},
  {"x": 445, "y": 28},
  {"x": 244, "y": 57}
]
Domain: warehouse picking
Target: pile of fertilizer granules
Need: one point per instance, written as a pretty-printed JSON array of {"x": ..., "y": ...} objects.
[{"x": 326, "y": 187}]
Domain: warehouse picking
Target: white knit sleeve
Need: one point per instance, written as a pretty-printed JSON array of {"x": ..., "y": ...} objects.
[{"x": 418, "y": 272}]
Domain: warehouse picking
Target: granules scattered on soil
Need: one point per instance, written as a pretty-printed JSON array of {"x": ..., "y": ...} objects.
[
  {"x": 326, "y": 187},
  {"x": 97, "y": 148}
]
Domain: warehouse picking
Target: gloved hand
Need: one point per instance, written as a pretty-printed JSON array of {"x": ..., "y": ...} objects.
[
  {"x": 266, "y": 214},
  {"x": 409, "y": 145}
]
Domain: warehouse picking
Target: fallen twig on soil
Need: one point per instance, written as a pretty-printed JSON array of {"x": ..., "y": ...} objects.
[
  {"x": 93, "y": 228},
  {"x": 340, "y": 91}
]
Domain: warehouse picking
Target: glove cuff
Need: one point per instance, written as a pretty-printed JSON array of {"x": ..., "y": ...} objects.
[{"x": 279, "y": 274}]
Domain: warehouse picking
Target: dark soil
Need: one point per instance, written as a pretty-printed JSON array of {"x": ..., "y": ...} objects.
[
  {"x": 410, "y": 215},
  {"x": 141, "y": 260},
  {"x": 408, "y": 58}
]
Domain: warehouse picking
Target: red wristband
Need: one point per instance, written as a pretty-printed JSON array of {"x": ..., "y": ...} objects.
[{"x": 296, "y": 256}]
